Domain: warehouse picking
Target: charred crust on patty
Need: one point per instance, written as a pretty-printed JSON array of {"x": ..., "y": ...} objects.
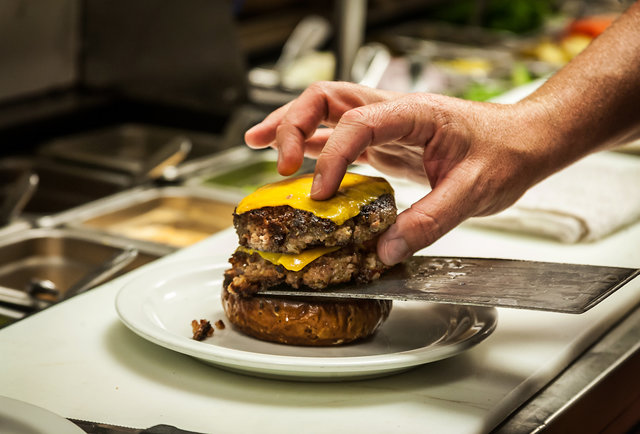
[
  {"x": 251, "y": 273},
  {"x": 282, "y": 229}
]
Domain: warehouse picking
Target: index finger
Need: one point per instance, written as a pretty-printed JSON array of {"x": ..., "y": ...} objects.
[{"x": 404, "y": 121}]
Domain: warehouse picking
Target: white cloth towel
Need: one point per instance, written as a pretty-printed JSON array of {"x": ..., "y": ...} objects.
[{"x": 584, "y": 202}]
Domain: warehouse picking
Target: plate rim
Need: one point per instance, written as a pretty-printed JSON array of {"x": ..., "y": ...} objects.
[
  {"x": 37, "y": 417},
  {"x": 238, "y": 359}
]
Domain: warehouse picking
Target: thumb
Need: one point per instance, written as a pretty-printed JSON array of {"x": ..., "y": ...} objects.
[{"x": 430, "y": 218}]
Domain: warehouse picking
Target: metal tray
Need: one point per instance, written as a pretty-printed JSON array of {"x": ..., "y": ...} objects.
[
  {"x": 126, "y": 148},
  {"x": 63, "y": 256},
  {"x": 172, "y": 216},
  {"x": 61, "y": 186}
]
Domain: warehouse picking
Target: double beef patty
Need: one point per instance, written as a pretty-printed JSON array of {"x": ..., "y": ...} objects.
[
  {"x": 283, "y": 229},
  {"x": 250, "y": 272}
]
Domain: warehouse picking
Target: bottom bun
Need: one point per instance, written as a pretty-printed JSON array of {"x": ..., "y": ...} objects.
[{"x": 309, "y": 321}]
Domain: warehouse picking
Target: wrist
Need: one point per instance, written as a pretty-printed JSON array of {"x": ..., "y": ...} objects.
[{"x": 548, "y": 136}]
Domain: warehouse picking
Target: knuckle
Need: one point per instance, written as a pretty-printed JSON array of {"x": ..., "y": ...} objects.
[
  {"x": 336, "y": 155},
  {"x": 283, "y": 128},
  {"x": 425, "y": 228},
  {"x": 359, "y": 121},
  {"x": 355, "y": 117},
  {"x": 319, "y": 88},
  {"x": 287, "y": 131}
]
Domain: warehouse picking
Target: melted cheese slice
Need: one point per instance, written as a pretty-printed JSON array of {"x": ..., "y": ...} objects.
[
  {"x": 292, "y": 262},
  {"x": 355, "y": 191}
]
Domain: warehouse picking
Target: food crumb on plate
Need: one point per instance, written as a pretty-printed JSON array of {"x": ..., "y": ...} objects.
[{"x": 201, "y": 330}]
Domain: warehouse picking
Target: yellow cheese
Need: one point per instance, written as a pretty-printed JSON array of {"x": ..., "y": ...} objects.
[
  {"x": 355, "y": 191},
  {"x": 292, "y": 262}
]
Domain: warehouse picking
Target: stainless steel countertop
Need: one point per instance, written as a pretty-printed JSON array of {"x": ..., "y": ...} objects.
[{"x": 599, "y": 392}]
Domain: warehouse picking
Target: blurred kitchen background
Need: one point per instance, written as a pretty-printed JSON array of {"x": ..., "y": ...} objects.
[{"x": 122, "y": 122}]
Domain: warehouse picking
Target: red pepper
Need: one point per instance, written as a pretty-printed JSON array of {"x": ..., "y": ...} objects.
[{"x": 590, "y": 26}]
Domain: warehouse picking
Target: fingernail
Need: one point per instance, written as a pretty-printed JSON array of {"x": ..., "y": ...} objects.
[
  {"x": 396, "y": 250},
  {"x": 316, "y": 185}
]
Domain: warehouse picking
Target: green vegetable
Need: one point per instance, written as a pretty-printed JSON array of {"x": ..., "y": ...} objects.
[
  {"x": 482, "y": 92},
  {"x": 248, "y": 177},
  {"x": 520, "y": 75},
  {"x": 517, "y": 16}
]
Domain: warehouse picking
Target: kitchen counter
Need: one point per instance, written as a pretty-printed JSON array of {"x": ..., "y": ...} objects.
[{"x": 78, "y": 360}]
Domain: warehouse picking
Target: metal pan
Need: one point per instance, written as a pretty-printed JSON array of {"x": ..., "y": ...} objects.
[
  {"x": 172, "y": 216},
  {"x": 60, "y": 187},
  {"x": 126, "y": 148},
  {"x": 63, "y": 257}
]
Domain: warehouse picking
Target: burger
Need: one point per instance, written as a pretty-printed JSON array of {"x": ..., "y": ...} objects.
[{"x": 286, "y": 239}]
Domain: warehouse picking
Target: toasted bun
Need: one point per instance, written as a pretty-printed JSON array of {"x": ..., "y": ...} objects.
[{"x": 309, "y": 322}]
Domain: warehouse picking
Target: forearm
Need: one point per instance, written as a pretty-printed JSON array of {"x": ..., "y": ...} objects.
[{"x": 592, "y": 103}]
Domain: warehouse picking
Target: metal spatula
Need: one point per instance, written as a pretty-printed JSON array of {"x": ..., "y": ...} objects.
[{"x": 555, "y": 287}]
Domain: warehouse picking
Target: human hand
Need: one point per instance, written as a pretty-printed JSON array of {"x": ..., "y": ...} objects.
[{"x": 478, "y": 158}]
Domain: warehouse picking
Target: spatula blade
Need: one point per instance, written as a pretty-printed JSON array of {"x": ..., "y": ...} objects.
[{"x": 548, "y": 286}]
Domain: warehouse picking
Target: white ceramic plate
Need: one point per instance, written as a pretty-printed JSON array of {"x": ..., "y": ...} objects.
[
  {"x": 160, "y": 304},
  {"x": 18, "y": 417}
]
